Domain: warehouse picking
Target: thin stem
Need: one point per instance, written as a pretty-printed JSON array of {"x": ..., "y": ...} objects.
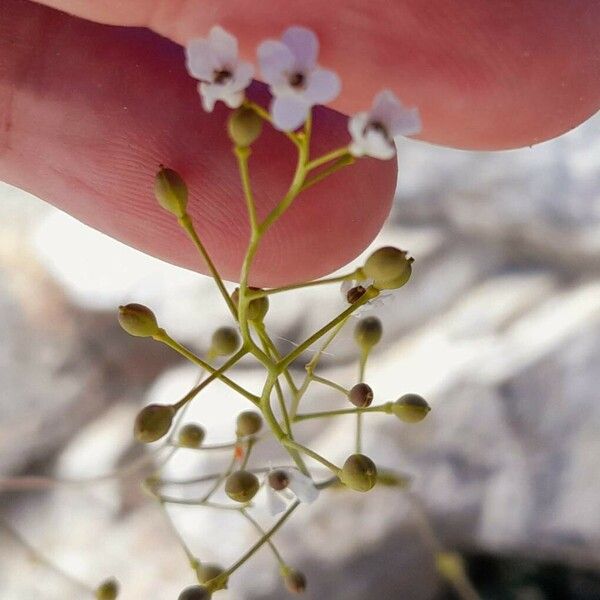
[
  {"x": 194, "y": 562},
  {"x": 325, "y": 158},
  {"x": 297, "y": 286},
  {"x": 338, "y": 165},
  {"x": 314, "y": 455},
  {"x": 382, "y": 408},
  {"x": 197, "y": 389},
  {"x": 243, "y": 154},
  {"x": 265, "y": 538},
  {"x": 186, "y": 223},
  {"x": 364, "y": 355},
  {"x": 263, "y": 533},
  {"x": 331, "y": 384},
  {"x": 165, "y": 338},
  {"x": 263, "y": 114},
  {"x": 294, "y": 354}
]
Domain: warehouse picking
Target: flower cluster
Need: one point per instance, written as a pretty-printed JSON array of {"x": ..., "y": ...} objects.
[{"x": 297, "y": 83}]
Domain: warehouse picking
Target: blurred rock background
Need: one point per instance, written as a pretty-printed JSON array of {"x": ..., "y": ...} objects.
[{"x": 499, "y": 328}]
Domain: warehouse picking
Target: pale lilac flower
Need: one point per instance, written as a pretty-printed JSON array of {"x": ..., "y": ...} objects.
[
  {"x": 377, "y": 302},
  {"x": 296, "y": 81},
  {"x": 284, "y": 485},
  {"x": 373, "y": 132},
  {"x": 215, "y": 62}
]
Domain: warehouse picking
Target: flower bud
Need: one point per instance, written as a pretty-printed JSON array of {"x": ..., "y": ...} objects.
[
  {"x": 278, "y": 480},
  {"x": 295, "y": 581},
  {"x": 191, "y": 436},
  {"x": 361, "y": 395},
  {"x": 359, "y": 473},
  {"x": 225, "y": 341},
  {"x": 153, "y": 422},
  {"x": 107, "y": 590},
  {"x": 242, "y": 486},
  {"x": 355, "y": 294},
  {"x": 210, "y": 571},
  {"x": 138, "y": 320},
  {"x": 244, "y": 126},
  {"x": 195, "y": 592},
  {"x": 411, "y": 408},
  {"x": 248, "y": 422},
  {"x": 257, "y": 308},
  {"x": 171, "y": 191},
  {"x": 388, "y": 267},
  {"x": 368, "y": 332}
]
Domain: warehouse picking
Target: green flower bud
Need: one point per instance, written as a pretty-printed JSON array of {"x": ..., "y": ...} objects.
[
  {"x": 401, "y": 280},
  {"x": 138, "y": 320},
  {"x": 411, "y": 408},
  {"x": 171, "y": 191},
  {"x": 295, "y": 581},
  {"x": 359, "y": 473},
  {"x": 248, "y": 422},
  {"x": 153, "y": 422},
  {"x": 244, "y": 126},
  {"x": 387, "y": 267},
  {"x": 361, "y": 395},
  {"x": 257, "y": 308},
  {"x": 191, "y": 436},
  {"x": 225, "y": 341},
  {"x": 107, "y": 590},
  {"x": 242, "y": 486},
  {"x": 210, "y": 571},
  {"x": 195, "y": 592},
  {"x": 368, "y": 332}
]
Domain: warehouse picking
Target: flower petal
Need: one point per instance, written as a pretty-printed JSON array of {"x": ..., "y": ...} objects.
[
  {"x": 385, "y": 107},
  {"x": 303, "y": 487},
  {"x": 206, "y": 91},
  {"x": 275, "y": 503},
  {"x": 304, "y": 45},
  {"x": 377, "y": 146},
  {"x": 346, "y": 286},
  {"x": 200, "y": 59},
  {"x": 224, "y": 45},
  {"x": 242, "y": 75},
  {"x": 323, "y": 86},
  {"x": 406, "y": 122},
  {"x": 275, "y": 59},
  {"x": 289, "y": 112}
]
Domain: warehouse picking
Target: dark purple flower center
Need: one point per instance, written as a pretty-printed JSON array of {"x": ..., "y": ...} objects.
[
  {"x": 379, "y": 128},
  {"x": 297, "y": 80},
  {"x": 222, "y": 76}
]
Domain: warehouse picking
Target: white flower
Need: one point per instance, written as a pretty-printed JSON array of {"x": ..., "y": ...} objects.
[
  {"x": 361, "y": 285},
  {"x": 215, "y": 62},
  {"x": 283, "y": 485},
  {"x": 296, "y": 81},
  {"x": 373, "y": 132}
]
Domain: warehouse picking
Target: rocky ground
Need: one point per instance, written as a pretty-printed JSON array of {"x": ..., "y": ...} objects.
[{"x": 499, "y": 329}]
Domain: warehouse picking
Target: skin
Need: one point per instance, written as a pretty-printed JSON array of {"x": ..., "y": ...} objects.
[{"x": 88, "y": 111}]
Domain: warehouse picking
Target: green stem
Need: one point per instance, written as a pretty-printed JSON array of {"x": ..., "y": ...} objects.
[
  {"x": 331, "y": 384},
  {"x": 297, "y": 286},
  {"x": 314, "y": 455},
  {"x": 263, "y": 533},
  {"x": 163, "y": 336},
  {"x": 186, "y": 223},
  {"x": 325, "y": 158},
  {"x": 338, "y": 165},
  {"x": 382, "y": 408},
  {"x": 364, "y": 355},
  {"x": 243, "y": 154},
  {"x": 263, "y": 114},
  {"x": 292, "y": 356}
]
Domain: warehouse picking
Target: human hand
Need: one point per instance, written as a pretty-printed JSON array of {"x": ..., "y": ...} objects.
[{"x": 87, "y": 112}]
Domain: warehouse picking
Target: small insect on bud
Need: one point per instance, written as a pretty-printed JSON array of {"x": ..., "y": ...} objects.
[
  {"x": 171, "y": 191},
  {"x": 242, "y": 486},
  {"x": 411, "y": 408},
  {"x": 295, "y": 581},
  {"x": 388, "y": 267},
  {"x": 191, "y": 436},
  {"x": 278, "y": 480},
  {"x": 359, "y": 473},
  {"x": 138, "y": 320},
  {"x": 257, "y": 308},
  {"x": 355, "y": 294},
  {"x": 107, "y": 590},
  {"x": 210, "y": 571},
  {"x": 361, "y": 395},
  {"x": 195, "y": 592},
  {"x": 153, "y": 422},
  {"x": 368, "y": 332},
  {"x": 225, "y": 341},
  {"x": 248, "y": 422},
  {"x": 244, "y": 126}
]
